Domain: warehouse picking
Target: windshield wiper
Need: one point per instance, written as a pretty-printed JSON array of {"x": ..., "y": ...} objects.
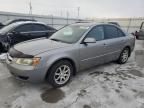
[
  {"x": 58, "y": 40},
  {"x": 55, "y": 40}
]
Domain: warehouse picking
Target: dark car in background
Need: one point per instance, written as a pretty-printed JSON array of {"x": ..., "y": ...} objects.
[
  {"x": 17, "y": 20},
  {"x": 13, "y": 21},
  {"x": 140, "y": 34},
  {"x": 1, "y": 25},
  {"x": 22, "y": 31},
  {"x": 114, "y": 23}
]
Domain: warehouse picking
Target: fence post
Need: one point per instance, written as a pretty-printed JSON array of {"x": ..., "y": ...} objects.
[
  {"x": 67, "y": 17},
  {"x": 129, "y": 24},
  {"x": 52, "y": 20}
]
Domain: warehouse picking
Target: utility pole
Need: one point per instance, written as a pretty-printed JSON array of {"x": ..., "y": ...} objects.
[
  {"x": 78, "y": 9},
  {"x": 67, "y": 13},
  {"x": 52, "y": 20},
  {"x": 61, "y": 14},
  {"x": 30, "y": 9},
  {"x": 129, "y": 24}
]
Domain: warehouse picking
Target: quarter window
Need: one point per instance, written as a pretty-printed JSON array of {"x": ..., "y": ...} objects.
[{"x": 97, "y": 33}]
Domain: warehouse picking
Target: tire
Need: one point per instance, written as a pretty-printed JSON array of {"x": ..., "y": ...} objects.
[
  {"x": 124, "y": 56},
  {"x": 57, "y": 77},
  {"x": 1, "y": 48}
]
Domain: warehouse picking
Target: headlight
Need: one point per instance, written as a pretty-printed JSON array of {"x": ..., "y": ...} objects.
[{"x": 27, "y": 61}]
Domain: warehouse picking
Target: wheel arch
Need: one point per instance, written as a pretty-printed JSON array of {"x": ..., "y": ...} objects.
[
  {"x": 129, "y": 49},
  {"x": 65, "y": 58}
]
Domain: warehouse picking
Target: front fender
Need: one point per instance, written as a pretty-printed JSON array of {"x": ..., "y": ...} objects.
[
  {"x": 49, "y": 60},
  {"x": 56, "y": 58}
]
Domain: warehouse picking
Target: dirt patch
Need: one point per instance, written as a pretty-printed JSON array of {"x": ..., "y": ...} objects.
[
  {"x": 107, "y": 75},
  {"x": 52, "y": 95},
  {"x": 123, "y": 73},
  {"x": 117, "y": 90},
  {"x": 135, "y": 91},
  {"x": 97, "y": 73},
  {"x": 86, "y": 106},
  {"x": 82, "y": 93},
  {"x": 139, "y": 57},
  {"x": 140, "y": 94},
  {"x": 136, "y": 73}
]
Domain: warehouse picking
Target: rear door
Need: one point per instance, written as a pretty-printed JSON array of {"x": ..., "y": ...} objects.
[
  {"x": 38, "y": 31},
  {"x": 114, "y": 41}
]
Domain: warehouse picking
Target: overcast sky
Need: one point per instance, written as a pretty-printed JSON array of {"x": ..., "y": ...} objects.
[{"x": 88, "y": 8}]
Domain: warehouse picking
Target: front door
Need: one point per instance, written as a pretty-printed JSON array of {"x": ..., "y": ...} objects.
[{"x": 92, "y": 53}]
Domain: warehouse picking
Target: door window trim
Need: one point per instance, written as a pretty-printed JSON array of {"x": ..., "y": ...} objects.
[{"x": 86, "y": 35}]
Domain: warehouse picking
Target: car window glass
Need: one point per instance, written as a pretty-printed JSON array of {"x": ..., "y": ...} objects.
[
  {"x": 97, "y": 33},
  {"x": 70, "y": 34},
  {"x": 39, "y": 27},
  {"x": 110, "y": 32},
  {"x": 24, "y": 28},
  {"x": 50, "y": 28},
  {"x": 120, "y": 33}
]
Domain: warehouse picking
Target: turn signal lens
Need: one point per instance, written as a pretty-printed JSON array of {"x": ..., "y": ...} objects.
[{"x": 36, "y": 61}]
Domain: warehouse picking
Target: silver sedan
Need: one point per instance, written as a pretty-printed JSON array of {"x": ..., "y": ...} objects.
[{"x": 71, "y": 49}]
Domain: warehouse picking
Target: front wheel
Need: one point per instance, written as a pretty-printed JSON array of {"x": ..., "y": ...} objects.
[
  {"x": 60, "y": 73},
  {"x": 1, "y": 48},
  {"x": 124, "y": 56}
]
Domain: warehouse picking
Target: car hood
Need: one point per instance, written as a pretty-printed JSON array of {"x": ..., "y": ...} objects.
[{"x": 35, "y": 47}]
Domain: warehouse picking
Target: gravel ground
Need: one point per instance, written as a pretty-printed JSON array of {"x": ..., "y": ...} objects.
[{"x": 107, "y": 86}]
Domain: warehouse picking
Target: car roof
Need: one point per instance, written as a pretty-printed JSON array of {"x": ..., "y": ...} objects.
[
  {"x": 89, "y": 24},
  {"x": 28, "y": 22}
]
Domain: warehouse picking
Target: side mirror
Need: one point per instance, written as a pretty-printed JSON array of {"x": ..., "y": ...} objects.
[{"x": 90, "y": 40}]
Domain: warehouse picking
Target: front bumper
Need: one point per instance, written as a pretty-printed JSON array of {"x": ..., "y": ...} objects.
[{"x": 25, "y": 73}]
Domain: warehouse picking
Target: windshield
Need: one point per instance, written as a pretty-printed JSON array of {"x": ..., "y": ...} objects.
[
  {"x": 69, "y": 34},
  {"x": 6, "y": 29},
  {"x": 7, "y": 22}
]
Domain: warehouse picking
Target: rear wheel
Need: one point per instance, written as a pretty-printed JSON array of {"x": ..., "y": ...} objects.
[
  {"x": 60, "y": 73},
  {"x": 124, "y": 56}
]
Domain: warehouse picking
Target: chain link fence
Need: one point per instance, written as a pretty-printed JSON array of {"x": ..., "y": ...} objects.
[{"x": 128, "y": 24}]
